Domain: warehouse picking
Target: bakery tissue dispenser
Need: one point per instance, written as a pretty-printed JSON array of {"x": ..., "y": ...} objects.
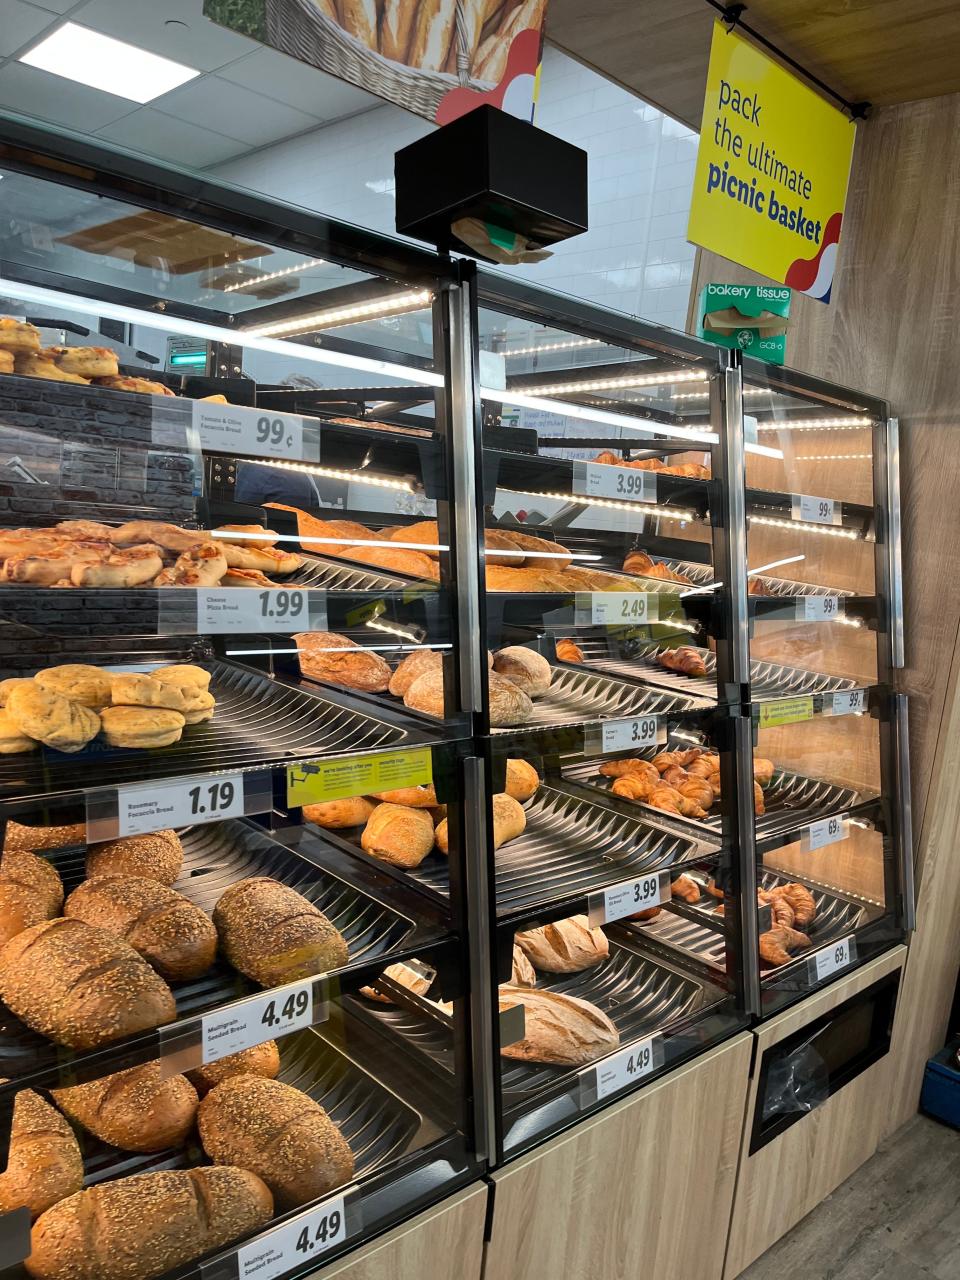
[{"x": 493, "y": 186}]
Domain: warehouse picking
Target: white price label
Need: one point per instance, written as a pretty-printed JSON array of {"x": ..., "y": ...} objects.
[
  {"x": 285, "y": 1248},
  {"x": 260, "y": 1018},
  {"x": 627, "y": 898},
  {"x": 833, "y": 958},
  {"x": 178, "y": 803},
  {"x": 626, "y": 1067},
  {"x": 814, "y": 510},
  {"x": 827, "y": 831},
  {"x": 849, "y": 703},
  {"x": 242, "y": 609},
  {"x": 819, "y": 608},
  {"x": 616, "y": 608},
  {"x": 228, "y": 428},
  {"x": 598, "y": 480},
  {"x": 621, "y": 735}
]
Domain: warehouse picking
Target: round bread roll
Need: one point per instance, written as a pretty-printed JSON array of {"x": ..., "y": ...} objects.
[
  {"x": 30, "y": 891},
  {"x": 274, "y": 935},
  {"x": 509, "y": 819},
  {"x": 523, "y": 781},
  {"x": 277, "y": 1132},
  {"x": 89, "y": 362},
  {"x": 19, "y": 836},
  {"x": 157, "y": 856},
  {"x": 424, "y": 797},
  {"x": 90, "y": 686},
  {"x": 18, "y": 335},
  {"x": 51, "y": 719},
  {"x": 426, "y": 693},
  {"x": 509, "y": 705},
  {"x": 141, "y": 726},
  {"x": 413, "y": 665},
  {"x": 566, "y": 946},
  {"x": 335, "y": 815},
  {"x": 132, "y": 689},
  {"x": 398, "y": 835},
  {"x": 184, "y": 675},
  {"x": 12, "y": 741},
  {"x": 259, "y": 1060},
  {"x": 7, "y": 686},
  {"x": 171, "y": 933},
  {"x": 201, "y": 707},
  {"x": 529, "y": 670},
  {"x": 135, "y": 1110}
]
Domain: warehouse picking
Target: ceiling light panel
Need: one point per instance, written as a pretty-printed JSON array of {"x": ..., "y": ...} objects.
[{"x": 101, "y": 62}]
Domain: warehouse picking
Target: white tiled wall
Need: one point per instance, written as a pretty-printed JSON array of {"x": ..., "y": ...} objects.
[{"x": 634, "y": 258}]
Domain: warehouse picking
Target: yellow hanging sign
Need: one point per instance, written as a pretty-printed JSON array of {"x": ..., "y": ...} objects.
[{"x": 315, "y": 781}]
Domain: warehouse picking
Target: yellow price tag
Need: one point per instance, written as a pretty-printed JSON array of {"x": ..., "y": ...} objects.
[
  {"x": 785, "y": 711},
  {"x": 314, "y": 781}
]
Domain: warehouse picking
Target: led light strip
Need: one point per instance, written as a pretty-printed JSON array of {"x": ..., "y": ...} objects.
[
  {"x": 705, "y": 395},
  {"x": 392, "y": 648},
  {"x": 551, "y": 346},
  {"x": 800, "y": 526},
  {"x": 274, "y": 275},
  {"x": 356, "y": 477},
  {"x": 638, "y": 508},
  {"x": 630, "y": 380},
  {"x": 774, "y": 564},
  {"x": 342, "y": 541},
  {"x": 389, "y": 305},
  {"x": 846, "y": 423},
  {"x": 834, "y": 457},
  {"x": 541, "y": 555},
  {"x": 215, "y": 333}
]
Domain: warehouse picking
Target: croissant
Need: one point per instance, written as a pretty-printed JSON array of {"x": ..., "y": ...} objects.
[
  {"x": 568, "y": 651},
  {"x": 694, "y": 470},
  {"x": 756, "y": 587},
  {"x": 610, "y": 459},
  {"x": 704, "y": 765},
  {"x": 637, "y": 562},
  {"x": 686, "y": 888},
  {"x": 776, "y": 944},
  {"x": 635, "y": 786},
  {"x": 782, "y": 913},
  {"x": 758, "y": 806},
  {"x": 801, "y": 899},
  {"x": 714, "y": 890},
  {"x": 666, "y": 798},
  {"x": 697, "y": 790},
  {"x": 684, "y": 659},
  {"x": 674, "y": 775},
  {"x": 620, "y": 768},
  {"x": 646, "y": 464},
  {"x": 689, "y": 808}
]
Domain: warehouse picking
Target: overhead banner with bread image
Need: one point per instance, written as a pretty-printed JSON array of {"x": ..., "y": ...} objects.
[{"x": 437, "y": 58}]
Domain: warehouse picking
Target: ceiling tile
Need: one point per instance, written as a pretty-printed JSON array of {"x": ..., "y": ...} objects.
[
  {"x": 55, "y": 6},
  {"x": 298, "y": 85},
  {"x": 149, "y": 25},
  {"x": 164, "y": 138},
  {"x": 20, "y": 25},
  {"x": 234, "y": 111},
  {"x": 59, "y": 101}
]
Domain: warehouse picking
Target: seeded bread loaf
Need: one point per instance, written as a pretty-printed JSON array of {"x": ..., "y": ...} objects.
[
  {"x": 30, "y": 891},
  {"x": 258, "y": 1060},
  {"x": 157, "y": 856},
  {"x": 44, "y": 1164},
  {"x": 274, "y": 935},
  {"x": 134, "y": 1110}
]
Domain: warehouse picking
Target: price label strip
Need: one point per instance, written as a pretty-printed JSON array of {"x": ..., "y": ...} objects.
[
  {"x": 628, "y": 897},
  {"x": 315, "y": 781},
  {"x": 138, "y": 809},
  {"x": 615, "y": 608},
  {"x": 851, "y": 702},
  {"x": 831, "y": 959},
  {"x": 263, "y": 1017},
  {"x": 827, "y": 831},
  {"x": 628, "y": 484},
  {"x": 625, "y": 735},
  {"x": 222, "y": 610},
  {"x": 819, "y": 608},
  {"x": 812, "y": 510},
  {"x": 785, "y": 711},
  {"x": 305, "y": 1239},
  {"x": 255, "y": 433},
  {"x": 621, "y": 1070}
]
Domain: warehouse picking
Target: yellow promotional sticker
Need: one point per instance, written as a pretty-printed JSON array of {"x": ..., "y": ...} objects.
[
  {"x": 785, "y": 711},
  {"x": 314, "y": 781}
]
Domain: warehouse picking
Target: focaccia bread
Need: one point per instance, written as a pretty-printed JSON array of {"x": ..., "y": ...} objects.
[
  {"x": 558, "y": 1029},
  {"x": 55, "y": 721},
  {"x": 89, "y": 362},
  {"x": 143, "y": 727},
  {"x": 566, "y": 946},
  {"x": 90, "y": 686},
  {"x": 13, "y": 741},
  {"x": 41, "y": 364},
  {"x": 146, "y": 386},
  {"x": 18, "y": 335}
]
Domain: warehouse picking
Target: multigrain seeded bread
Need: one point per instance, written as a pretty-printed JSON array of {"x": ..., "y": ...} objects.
[
  {"x": 18, "y": 836},
  {"x": 258, "y": 1060},
  {"x": 30, "y": 891},
  {"x": 44, "y": 1164},
  {"x": 134, "y": 1110},
  {"x": 274, "y": 935},
  {"x": 158, "y": 856}
]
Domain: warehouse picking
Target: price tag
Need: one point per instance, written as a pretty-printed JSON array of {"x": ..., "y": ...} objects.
[
  {"x": 241, "y": 609},
  {"x": 785, "y": 711},
  {"x": 315, "y": 781},
  {"x": 629, "y": 484},
  {"x": 628, "y": 897},
  {"x": 265, "y": 1017},
  {"x": 827, "y": 831},
  {"x": 819, "y": 608},
  {"x": 621, "y": 735},
  {"x": 852, "y": 702},
  {"x": 258, "y": 433},
  {"x": 628, "y": 1066},
  {"x": 839, "y": 955},
  {"x": 615, "y": 608},
  {"x": 180, "y": 802},
  {"x": 304, "y": 1239},
  {"x": 815, "y": 510}
]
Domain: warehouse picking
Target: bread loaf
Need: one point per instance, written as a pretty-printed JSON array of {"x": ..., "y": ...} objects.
[
  {"x": 157, "y": 856},
  {"x": 509, "y": 705},
  {"x": 523, "y": 781},
  {"x": 425, "y": 693},
  {"x": 527, "y": 669},
  {"x": 522, "y": 973},
  {"x": 413, "y": 665},
  {"x": 425, "y": 533},
  {"x": 441, "y": 836},
  {"x": 274, "y": 935},
  {"x": 334, "y": 815},
  {"x": 324, "y": 655},
  {"x": 404, "y": 976},
  {"x": 44, "y": 1164},
  {"x": 30, "y": 891},
  {"x": 559, "y": 1029},
  {"x": 19, "y": 836},
  {"x": 566, "y": 946},
  {"x": 548, "y": 555},
  {"x": 259, "y": 1060},
  {"x": 136, "y": 1228},
  {"x": 424, "y": 797},
  {"x": 509, "y": 819},
  {"x": 134, "y": 1110},
  {"x": 80, "y": 986},
  {"x": 279, "y": 1133},
  {"x": 398, "y": 835},
  {"x": 172, "y": 934}
]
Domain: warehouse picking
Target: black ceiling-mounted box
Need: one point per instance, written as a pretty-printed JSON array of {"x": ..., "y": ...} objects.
[{"x": 492, "y": 166}]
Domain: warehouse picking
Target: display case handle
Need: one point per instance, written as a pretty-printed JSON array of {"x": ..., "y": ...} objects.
[
  {"x": 904, "y": 818},
  {"x": 892, "y": 541}
]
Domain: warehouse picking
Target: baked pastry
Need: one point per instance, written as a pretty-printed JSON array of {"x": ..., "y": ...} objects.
[
  {"x": 200, "y": 566},
  {"x": 51, "y": 719},
  {"x": 6, "y": 361},
  {"x": 425, "y": 693},
  {"x": 413, "y": 665},
  {"x": 274, "y": 935},
  {"x": 157, "y": 856},
  {"x": 246, "y": 578},
  {"x": 88, "y": 362},
  {"x": 201, "y": 707},
  {"x": 335, "y": 815},
  {"x": 279, "y": 1133},
  {"x": 509, "y": 705},
  {"x": 18, "y": 335},
  {"x": 30, "y": 891},
  {"x": 399, "y": 835},
  {"x": 44, "y": 1164},
  {"x": 20, "y": 836},
  {"x": 135, "y": 1110},
  {"x": 522, "y": 973},
  {"x": 170, "y": 932},
  {"x": 185, "y": 675},
  {"x": 41, "y": 364},
  {"x": 258, "y": 535},
  {"x": 776, "y": 944},
  {"x": 800, "y": 898},
  {"x": 685, "y": 888},
  {"x": 324, "y": 655},
  {"x": 559, "y": 1029},
  {"x": 80, "y": 986},
  {"x": 412, "y": 564},
  {"x": 566, "y": 946},
  {"x": 509, "y": 819},
  {"x": 568, "y": 651},
  {"x": 763, "y": 770},
  {"x": 250, "y": 555},
  {"x": 523, "y": 781},
  {"x": 90, "y": 686},
  {"x": 526, "y": 668},
  {"x": 548, "y": 555},
  {"x": 143, "y": 727},
  {"x": 46, "y": 569},
  {"x": 169, "y": 536},
  {"x": 140, "y": 1227},
  {"x": 13, "y": 741},
  {"x": 134, "y": 689},
  {"x": 423, "y": 797},
  {"x": 130, "y": 568},
  {"x": 423, "y": 532},
  {"x": 145, "y": 386},
  {"x": 258, "y": 1060}
]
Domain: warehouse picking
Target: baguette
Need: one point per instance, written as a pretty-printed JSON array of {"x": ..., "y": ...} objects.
[
  {"x": 395, "y": 24},
  {"x": 158, "y": 856},
  {"x": 558, "y": 1029},
  {"x": 136, "y": 1228},
  {"x": 44, "y": 1164},
  {"x": 434, "y": 29},
  {"x": 566, "y": 946},
  {"x": 135, "y": 1110},
  {"x": 259, "y": 1060},
  {"x": 80, "y": 986},
  {"x": 277, "y": 1132},
  {"x": 399, "y": 835},
  {"x": 274, "y": 935},
  {"x": 551, "y": 555},
  {"x": 424, "y": 797},
  {"x": 30, "y": 891},
  {"x": 425, "y": 533},
  {"x": 359, "y": 18},
  {"x": 171, "y": 933}
]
